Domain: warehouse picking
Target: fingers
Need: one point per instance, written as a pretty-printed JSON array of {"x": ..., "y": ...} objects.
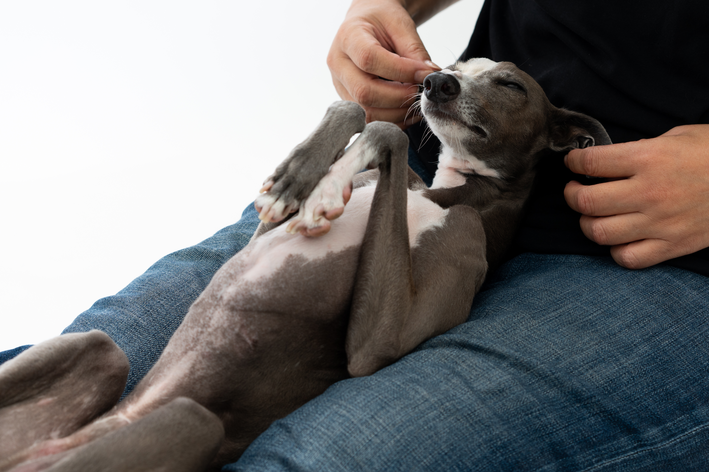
[
  {"x": 612, "y": 161},
  {"x": 656, "y": 208},
  {"x": 392, "y": 110},
  {"x": 634, "y": 238},
  {"x": 380, "y": 38},
  {"x": 602, "y": 199},
  {"x": 370, "y": 90},
  {"x": 377, "y": 58},
  {"x": 645, "y": 253},
  {"x": 616, "y": 229},
  {"x": 395, "y": 54}
]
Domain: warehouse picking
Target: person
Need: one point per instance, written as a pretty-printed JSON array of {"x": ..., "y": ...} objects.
[{"x": 587, "y": 349}]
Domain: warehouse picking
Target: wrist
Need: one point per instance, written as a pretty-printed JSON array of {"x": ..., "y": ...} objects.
[
  {"x": 423, "y": 10},
  {"x": 419, "y": 10}
]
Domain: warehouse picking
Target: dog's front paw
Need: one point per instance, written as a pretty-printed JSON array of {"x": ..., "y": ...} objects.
[
  {"x": 272, "y": 207},
  {"x": 284, "y": 192},
  {"x": 326, "y": 203},
  {"x": 290, "y": 185}
]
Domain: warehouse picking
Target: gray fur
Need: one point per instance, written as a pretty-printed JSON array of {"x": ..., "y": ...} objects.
[{"x": 250, "y": 352}]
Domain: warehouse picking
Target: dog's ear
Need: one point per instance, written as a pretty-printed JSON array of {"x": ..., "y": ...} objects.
[{"x": 571, "y": 130}]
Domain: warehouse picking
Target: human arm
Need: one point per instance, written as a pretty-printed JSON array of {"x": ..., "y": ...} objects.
[
  {"x": 377, "y": 56},
  {"x": 656, "y": 207}
]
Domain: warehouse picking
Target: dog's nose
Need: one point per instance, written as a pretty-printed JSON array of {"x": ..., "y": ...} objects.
[{"x": 440, "y": 87}]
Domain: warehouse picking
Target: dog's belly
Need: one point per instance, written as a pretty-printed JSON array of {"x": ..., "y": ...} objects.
[
  {"x": 282, "y": 277},
  {"x": 269, "y": 331},
  {"x": 271, "y": 249}
]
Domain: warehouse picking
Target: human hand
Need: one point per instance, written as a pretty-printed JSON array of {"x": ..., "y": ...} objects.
[
  {"x": 377, "y": 58},
  {"x": 657, "y": 206}
]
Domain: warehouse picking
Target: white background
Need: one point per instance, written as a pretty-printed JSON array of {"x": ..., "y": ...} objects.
[{"x": 132, "y": 129}]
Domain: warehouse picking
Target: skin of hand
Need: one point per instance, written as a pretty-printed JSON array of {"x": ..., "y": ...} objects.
[
  {"x": 655, "y": 206},
  {"x": 377, "y": 57}
]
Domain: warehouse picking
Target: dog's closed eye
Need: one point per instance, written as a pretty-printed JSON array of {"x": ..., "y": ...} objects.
[{"x": 512, "y": 85}]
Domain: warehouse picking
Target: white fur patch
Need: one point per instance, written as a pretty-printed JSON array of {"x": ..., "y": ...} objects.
[
  {"x": 471, "y": 68},
  {"x": 447, "y": 177},
  {"x": 327, "y": 194},
  {"x": 269, "y": 251},
  {"x": 455, "y": 73},
  {"x": 452, "y": 166},
  {"x": 423, "y": 215},
  {"x": 476, "y": 66}
]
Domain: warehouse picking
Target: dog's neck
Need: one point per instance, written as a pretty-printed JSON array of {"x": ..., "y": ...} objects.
[{"x": 455, "y": 164}]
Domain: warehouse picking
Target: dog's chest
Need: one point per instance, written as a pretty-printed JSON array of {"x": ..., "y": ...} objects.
[{"x": 269, "y": 251}]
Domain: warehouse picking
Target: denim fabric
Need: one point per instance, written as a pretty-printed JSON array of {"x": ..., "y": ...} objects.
[
  {"x": 566, "y": 363},
  {"x": 9, "y": 354},
  {"x": 142, "y": 317}
]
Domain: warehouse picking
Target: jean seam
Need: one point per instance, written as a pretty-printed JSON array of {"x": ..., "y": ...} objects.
[{"x": 642, "y": 450}]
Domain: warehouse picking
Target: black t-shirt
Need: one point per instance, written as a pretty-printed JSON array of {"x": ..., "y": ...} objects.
[{"x": 641, "y": 67}]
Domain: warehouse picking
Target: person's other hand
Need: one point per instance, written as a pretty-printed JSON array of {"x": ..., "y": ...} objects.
[
  {"x": 377, "y": 58},
  {"x": 657, "y": 205}
]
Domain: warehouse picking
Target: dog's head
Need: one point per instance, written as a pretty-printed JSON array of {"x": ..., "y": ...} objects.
[{"x": 494, "y": 113}]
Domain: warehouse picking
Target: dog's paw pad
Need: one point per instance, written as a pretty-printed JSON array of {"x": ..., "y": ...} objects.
[
  {"x": 308, "y": 228},
  {"x": 326, "y": 203}
]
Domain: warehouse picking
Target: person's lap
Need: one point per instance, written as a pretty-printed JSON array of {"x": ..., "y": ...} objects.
[
  {"x": 566, "y": 363},
  {"x": 142, "y": 317}
]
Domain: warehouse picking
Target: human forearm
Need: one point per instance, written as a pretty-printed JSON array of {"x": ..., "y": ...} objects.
[{"x": 423, "y": 10}]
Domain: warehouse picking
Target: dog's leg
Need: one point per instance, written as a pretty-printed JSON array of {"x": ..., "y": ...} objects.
[
  {"x": 180, "y": 436},
  {"x": 296, "y": 177},
  {"x": 327, "y": 200},
  {"x": 403, "y": 296},
  {"x": 56, "y": 387}
]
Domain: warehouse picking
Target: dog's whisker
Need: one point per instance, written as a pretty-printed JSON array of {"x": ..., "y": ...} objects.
[
  {"x": 414, "y": 110},
  {"x": 426, "y": 136},
  {"x": 411, "y": 96},
  {"x": 485, "y": 155}
]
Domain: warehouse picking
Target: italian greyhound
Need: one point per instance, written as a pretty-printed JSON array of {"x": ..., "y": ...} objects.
[{"x": 348, "y": 272}]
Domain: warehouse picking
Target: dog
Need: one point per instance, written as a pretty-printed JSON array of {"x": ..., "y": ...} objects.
[{"x": 348, "y": 272}]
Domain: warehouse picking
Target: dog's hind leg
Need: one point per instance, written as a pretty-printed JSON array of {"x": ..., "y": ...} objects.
[
  {"x": 55, "y": 388},
  {"x": 404, "y": 295},
  {"x": 296, "y": 177},
  {"x": 181, "y": 436}
]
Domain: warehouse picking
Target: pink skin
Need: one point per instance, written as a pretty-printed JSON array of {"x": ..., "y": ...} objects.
[
  {"x": 266, "y": 187},
  {"x": 329, "y": 215},
  {"x": 657, "y": 205}
]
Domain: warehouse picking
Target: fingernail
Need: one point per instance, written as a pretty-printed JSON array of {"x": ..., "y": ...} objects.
[{"x": 422, "y": 74}]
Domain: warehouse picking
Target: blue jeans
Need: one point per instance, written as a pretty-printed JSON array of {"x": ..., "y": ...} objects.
[{"x": 566, "y": 363}]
